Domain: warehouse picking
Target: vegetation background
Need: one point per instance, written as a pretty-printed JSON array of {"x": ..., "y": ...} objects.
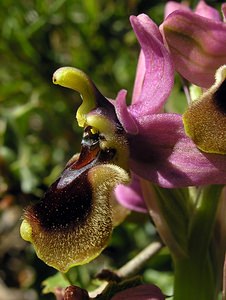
[{"x": 38, "y": 131}]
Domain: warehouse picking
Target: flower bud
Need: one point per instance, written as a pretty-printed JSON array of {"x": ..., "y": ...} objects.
[{"x": 197, "y": 45}]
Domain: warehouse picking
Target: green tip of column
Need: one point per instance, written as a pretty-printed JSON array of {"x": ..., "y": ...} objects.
[{"x": 77, "y": 80}]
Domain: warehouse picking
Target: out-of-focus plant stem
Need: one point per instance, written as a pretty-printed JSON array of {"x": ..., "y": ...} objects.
[{"x": 194, "y": 275}]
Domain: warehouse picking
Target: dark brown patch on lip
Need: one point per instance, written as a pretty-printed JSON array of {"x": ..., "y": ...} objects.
[
  {"x": 63, "y": 207},
  {"x": 220, "y": 97},
  {"x": 68, "y": 201}
]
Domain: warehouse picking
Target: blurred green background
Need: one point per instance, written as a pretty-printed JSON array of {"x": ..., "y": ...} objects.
[{"x": 38, "y": 131}]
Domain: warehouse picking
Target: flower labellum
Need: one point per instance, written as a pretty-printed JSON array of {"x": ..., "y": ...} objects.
[
  {"x": 73, "y": 222},
  {"x": 205, "y": 119}
]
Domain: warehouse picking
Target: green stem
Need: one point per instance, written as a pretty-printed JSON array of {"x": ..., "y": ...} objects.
[
  {"x": 203, "y": 220},
  {"x": 194, "y": 274},
  {"x": 194, "y": 279}
]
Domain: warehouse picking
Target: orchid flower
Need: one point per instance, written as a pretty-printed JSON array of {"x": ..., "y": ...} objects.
[
  {"x": 73, "y": 222},
  {"x": 196, "y": 40},
  {"x": 185, "y": 33},
  {"x": 187, "y": 165},
  {"x": 160, "y": 151}
]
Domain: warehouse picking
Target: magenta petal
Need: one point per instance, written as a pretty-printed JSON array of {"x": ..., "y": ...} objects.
[
  {"x": 171, "y": 6},
  {"x": 197, "y": 45},
  {"x": 140, "y": 73},
  {"x": 207, "y": 11},
  {"x": 163, "y": 154},
  {"x": 124, "y": 116},
  {"x": 141, "y": 292},
  {"x": 159, "y": 76},
  {"x": 130, "y": 196}
]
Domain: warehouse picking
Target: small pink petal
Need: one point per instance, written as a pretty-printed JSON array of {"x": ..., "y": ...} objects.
[
  {"x": 130, "y": 196},
  {"x": 141, "y": 67},
  {"x": 159, "y": 76},
  {"x": 141, "y": 292},
  {"x": 207, "y": 11},
  {"x": 163, "y": 154},
  {"x": 171, "y": 6},
  {"x": 197, "y": 45},
  {"x": 139, "y": 79},
  {"x": 125, "y": 118}
]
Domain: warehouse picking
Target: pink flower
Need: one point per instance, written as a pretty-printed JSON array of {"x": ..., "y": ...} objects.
[
  {"x": 160, "y": 151},
  {"x": 196, "y": 40}
]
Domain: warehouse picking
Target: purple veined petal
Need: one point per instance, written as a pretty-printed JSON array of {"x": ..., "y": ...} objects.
[
  {"x": 197, "y": 45},
  {"x": 163, "y": 154},
  {"x": 207, "y": 11},
  {"x": 171, "y": 6},
  {"x": 130, "y": 196},
  {"x": 141, "y": 68},
  {"x": 124, "y": 116},
  {"x": 149, "y": 26},
  {"x": 140, "y": 292},
  {"x": 159, "y": 76},
  {"x": 139, "y": 79},
  {"x": 223, "y": 9}
]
